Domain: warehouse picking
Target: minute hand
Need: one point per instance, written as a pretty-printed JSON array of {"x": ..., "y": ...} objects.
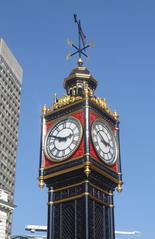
[{"x": 103, "y": 140}]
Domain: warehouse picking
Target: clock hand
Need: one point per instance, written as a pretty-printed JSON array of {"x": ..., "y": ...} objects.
[
  {"x": 69, "y": 136},
  {"x": 103, "y": 140},
  {"x": 55, "y": 137},
  {"x": 60, "y": 139}
]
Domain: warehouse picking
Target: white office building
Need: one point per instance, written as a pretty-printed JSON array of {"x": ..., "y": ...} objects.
[{"x": 10, "y": 90}]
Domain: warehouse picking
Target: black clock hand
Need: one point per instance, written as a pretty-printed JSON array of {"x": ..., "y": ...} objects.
[
  {"x": 65, "y": 138},
  {"x": 60, "y": 139},
  {"x": 103, "y": 140},
  {"x": 69, "y": 136}
]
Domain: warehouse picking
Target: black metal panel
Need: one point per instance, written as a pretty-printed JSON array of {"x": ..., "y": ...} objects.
[
  {"x": 68, "y": 220},
  {"x": 107, "y": 228},
  {"x": 111, "y": 219},
  {"x": 101, "y": 181},
  {"x": 99, "y": 221},
  {"x": 99, "y": 229},
  {"x": 50, "y": 216},
  {"x": 80, "y": 219},
  {"x": 81, "y": 211},
  {"x": 91, "y": 213},
  {"x": 56, "y": 225}
]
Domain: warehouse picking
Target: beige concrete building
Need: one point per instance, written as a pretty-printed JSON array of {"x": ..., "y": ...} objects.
[{"x": 10, "y": 91}]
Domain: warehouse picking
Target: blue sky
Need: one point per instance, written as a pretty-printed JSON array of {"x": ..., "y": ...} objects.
[{"x": 123, "y": 62}]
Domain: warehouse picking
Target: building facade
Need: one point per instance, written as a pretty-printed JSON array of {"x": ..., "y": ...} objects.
[{"x": 10, "y": 91}]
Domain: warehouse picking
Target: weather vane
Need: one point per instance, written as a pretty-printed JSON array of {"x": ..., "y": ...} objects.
[{"x": 82, "y": 46}]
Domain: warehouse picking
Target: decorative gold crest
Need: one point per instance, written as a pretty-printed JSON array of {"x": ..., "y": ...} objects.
[
  {"x": 65, "y": 100},
  {"x": 103, "y": 105},
  {"x": 68, "y": 99}
]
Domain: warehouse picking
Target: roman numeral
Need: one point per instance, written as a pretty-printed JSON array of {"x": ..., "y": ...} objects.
[
  {"x": 74, "y": 142},
  {"x": 54, "y": 151},
  {"x": 63, "y": 153},
  {"x": 77, "y": 134},
  {"x": 64, "y": 125}
]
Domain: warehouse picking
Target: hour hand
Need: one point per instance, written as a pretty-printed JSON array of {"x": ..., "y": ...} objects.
[
  {"x": 64, "y": 139},
  {"x": 69, "y": 136},
  {"x": 103, "y": 140},
  {"x": 60, "y": 139}
]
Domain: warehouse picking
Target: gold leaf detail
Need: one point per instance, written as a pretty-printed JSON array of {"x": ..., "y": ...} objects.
[
  {"x": 65, "y": 100},
  {"x": 103, "y": 105}
]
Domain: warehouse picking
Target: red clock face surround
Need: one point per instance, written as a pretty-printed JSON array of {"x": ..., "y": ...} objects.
[
  {"x": 75, "y": 152},
  {"x": 63, "y": 139}
]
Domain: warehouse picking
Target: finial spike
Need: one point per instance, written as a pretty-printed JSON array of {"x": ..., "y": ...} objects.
[
  {"x": 80, "y": 62},
  {"x": 55, "y": 98},
  {"x": 44, "y": 109}
]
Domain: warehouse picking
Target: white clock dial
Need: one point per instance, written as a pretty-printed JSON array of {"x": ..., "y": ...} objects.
[
  {"x": 104, "y": 142},
  {"x": 63, "y": 139}
]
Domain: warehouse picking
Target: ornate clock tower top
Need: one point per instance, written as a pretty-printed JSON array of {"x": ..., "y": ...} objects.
[
  {"x": 80, "y": 83},
  {"x": 80, "y": 158}
]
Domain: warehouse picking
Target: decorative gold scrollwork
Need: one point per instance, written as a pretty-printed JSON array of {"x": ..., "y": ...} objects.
[
  {"x": 68, "y": 99},
  {"x": 65, "y": 100},
  {"x": 103, "y": 105}
]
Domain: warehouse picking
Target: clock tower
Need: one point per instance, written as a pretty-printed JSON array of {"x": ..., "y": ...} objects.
[{"x": 80, "y": 159}]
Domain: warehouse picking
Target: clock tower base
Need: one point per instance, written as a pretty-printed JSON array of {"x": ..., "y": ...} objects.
[{"x": 80, "y": 208}]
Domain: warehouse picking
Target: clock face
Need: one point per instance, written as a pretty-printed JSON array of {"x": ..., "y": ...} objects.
[
  {"x": 104, "y": 142},
  {"x": 63, "y": 139}
]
